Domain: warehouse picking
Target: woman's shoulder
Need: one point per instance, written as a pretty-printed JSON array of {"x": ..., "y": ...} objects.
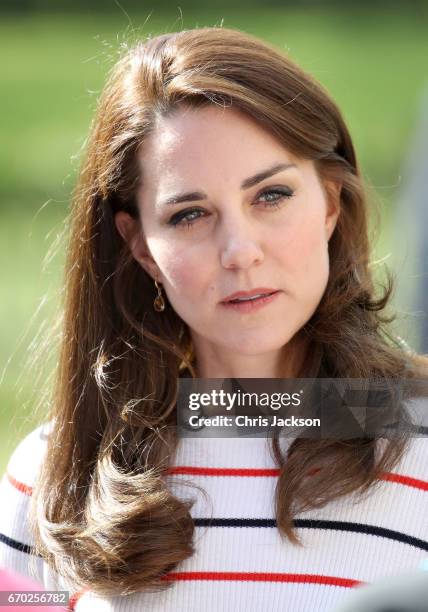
[
  {"x": 16, "y": 488},
  {"x": 25, "y": 462}
]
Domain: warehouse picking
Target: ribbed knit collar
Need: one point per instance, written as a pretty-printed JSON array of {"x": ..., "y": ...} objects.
[{"x": 228, "y": 452}]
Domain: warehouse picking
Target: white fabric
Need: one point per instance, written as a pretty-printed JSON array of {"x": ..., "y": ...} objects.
[{"x": 327, "y": 553}]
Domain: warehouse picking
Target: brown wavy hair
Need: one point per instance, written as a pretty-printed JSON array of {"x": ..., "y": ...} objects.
[{"x": 103, "y": 516}]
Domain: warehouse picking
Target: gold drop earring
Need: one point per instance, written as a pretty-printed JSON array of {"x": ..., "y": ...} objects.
[{"x": 159, "y": 302}]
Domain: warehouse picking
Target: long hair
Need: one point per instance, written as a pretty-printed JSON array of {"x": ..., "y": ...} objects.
[{"x": 103, "y": 514}]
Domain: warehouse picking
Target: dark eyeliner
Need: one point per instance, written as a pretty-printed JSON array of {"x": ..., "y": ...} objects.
[
  {"x": 178, "y": 217},
  {"x": 283, "y": 192}
]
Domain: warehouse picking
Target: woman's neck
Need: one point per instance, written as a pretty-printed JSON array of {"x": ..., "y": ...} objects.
[{"x": 216, "y": 362}]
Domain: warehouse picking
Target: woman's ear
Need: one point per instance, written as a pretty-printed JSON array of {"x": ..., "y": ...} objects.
[
  {"x": 131, "y": 232},
  {"x": 332, "y": 189}
]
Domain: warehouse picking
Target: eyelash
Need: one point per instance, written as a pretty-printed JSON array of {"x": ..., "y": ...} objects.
[{"x": 177, "y": 219}]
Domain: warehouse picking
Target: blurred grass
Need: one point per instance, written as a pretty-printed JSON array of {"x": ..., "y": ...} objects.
[{"x": 374, "y": 64}]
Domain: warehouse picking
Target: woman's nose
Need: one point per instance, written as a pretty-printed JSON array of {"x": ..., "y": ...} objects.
[{"x": 240, "y": 247}]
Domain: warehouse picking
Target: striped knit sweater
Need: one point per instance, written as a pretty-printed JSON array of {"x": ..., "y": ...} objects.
[{"x": 241, "y": 563}]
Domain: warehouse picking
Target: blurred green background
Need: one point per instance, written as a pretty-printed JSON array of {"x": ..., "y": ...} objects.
[{"x": 371, "y": 58}]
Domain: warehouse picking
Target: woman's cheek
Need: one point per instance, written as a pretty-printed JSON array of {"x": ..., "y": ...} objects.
[
  {"x": 184, "y": 274},
  {"x": 172, "y": 260},
  {"x": 309, "y": 254}
]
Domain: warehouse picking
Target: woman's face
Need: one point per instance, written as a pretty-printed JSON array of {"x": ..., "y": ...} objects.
[{"x": 226, "y": 208}]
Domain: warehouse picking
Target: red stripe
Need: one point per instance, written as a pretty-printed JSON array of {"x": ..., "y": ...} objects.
[
  {"x": 253, "y": 472},
  {"x": 74, "y": 599},
  {"x": 207, "y": 471},
  {"x": 263, "y": 577},
  {"x": 405, "y": 480},
  {"x": 246, "y": 577},
  {"x": 19, "y": 485}
]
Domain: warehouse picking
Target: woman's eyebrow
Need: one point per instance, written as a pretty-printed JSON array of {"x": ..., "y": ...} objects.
[{"x": 193, "y": 196}]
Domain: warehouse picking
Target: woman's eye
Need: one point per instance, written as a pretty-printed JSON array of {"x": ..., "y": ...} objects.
[
  {"x": 278, "y": 193},
  {"x": 187, "y": 218}
]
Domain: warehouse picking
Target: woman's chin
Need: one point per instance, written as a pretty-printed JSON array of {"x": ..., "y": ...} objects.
[{"x": 254, "y": 347}]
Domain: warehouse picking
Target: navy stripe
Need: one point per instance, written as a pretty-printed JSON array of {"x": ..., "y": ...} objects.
[
  {"x": 234, "y": 522},
  {"x": 363, "y": 528},
  {"x": 25, "y": 548},
  {"x": 318, "y": 524},
  {"x": 303, "y": 523},
  {"x": 422, "y": 430}
]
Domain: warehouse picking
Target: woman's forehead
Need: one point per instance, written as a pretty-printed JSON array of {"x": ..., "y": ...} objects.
[{"x": 211, "y": 135}]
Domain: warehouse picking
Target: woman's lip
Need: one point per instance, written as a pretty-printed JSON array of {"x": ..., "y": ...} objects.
[
  {"x": 251, "y": 305},
  {"x": 248, "y": 294}
]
